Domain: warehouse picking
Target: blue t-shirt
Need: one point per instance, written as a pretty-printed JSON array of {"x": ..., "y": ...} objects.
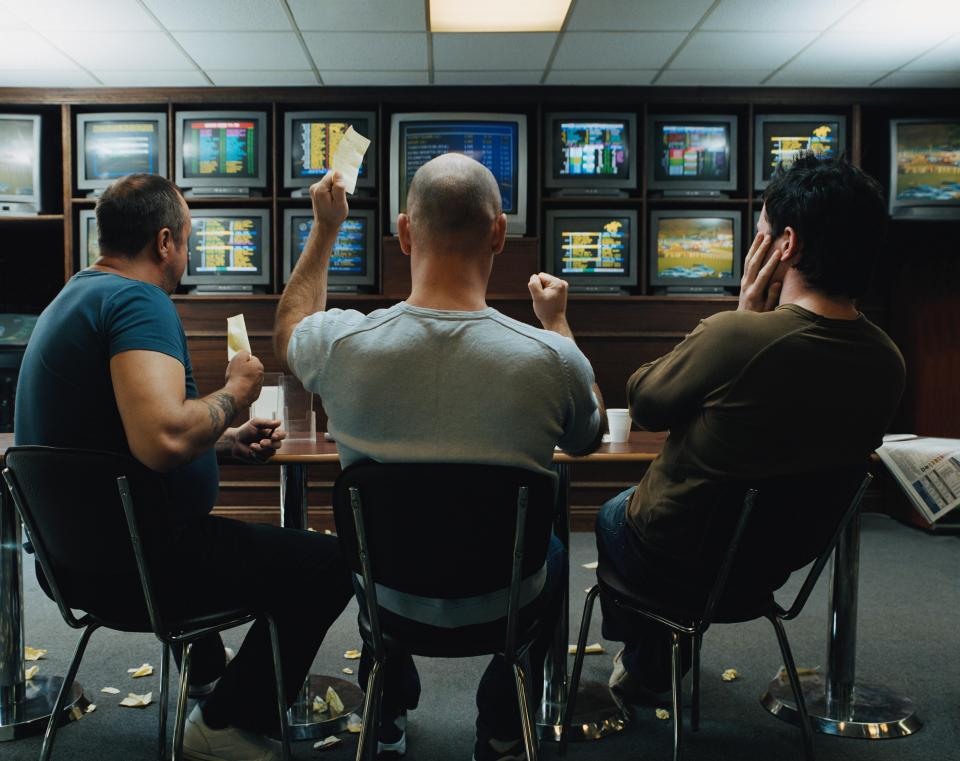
[{"x": 65, "y": 392}]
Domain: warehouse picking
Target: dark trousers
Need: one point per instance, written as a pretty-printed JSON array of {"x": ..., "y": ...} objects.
[
  {"x": 214, "y": 564},
  {"x": 497, "y": 706}
]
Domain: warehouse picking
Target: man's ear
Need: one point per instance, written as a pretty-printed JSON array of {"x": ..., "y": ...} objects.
[
  {"x": 790, "y": 248},
  {"x": 403, "y": 233},
  {"x": 165, "y": 244},
  {"x": 499, "y": 234}
]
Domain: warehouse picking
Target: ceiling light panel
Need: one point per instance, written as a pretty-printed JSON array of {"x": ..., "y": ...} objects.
[{"x": 497, "y": 15}]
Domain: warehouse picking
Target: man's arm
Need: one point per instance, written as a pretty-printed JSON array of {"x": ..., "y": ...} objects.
[
  {"x": 306, "y": 293},
  {"x": 549, "y": 296},
  {"x": 163, "y": 428}
]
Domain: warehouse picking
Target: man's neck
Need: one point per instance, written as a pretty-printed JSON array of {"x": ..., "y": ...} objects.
[
  {"x": 831, "y": 307},
  {"x": 133, "y": 269},
  {"x": 448, "y": 282}
]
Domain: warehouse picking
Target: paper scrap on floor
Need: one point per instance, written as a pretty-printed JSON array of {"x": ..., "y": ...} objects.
[
  {"x": 137, "y": 701},
  {"x": 347, "y": 670},
  {"x": 591, "y": 566},
  {"x": 348, "y": 157},
  {"x": 351, "y": 655},
  {"x": 354, "y": 724},
  {"x": 729, "y": 675},
  {"x": 319, "y": 704},
  {"x": 91, "y": 708},
  {"x": 663, "y": 714},
  {"x": 31, "y": 672},
  {"x": 145, "y": 670},
  {"x": 110, "y": 690},
  {"x": 33, "y": 653},
  {"x": 237, "y": 339},
  {"x": 333, "y": 700},
  {"x": 595, "y": 649},
  {"x": 327, "y": 742}
]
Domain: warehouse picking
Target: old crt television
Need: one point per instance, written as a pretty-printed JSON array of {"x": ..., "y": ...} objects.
[
  {"x": 221, "y": 152},
  {"x": 695, "y": 251},
  {"x": 19, "y": 164},
  {"x": 925, "y": 168},
  {"x": 692, "y": 155},
  {"x": 89, "y": 240},
  {"x": 229, "y": 250},
  {"x": 498, "y": 141},
  {"x": 353, "y": 266},
  {"x": 593, "y": 249},
  {"x": 780, "y": 138},
  {"x": 110, "y": 146},
  {"x": 591, "y": 153},
  {"x": 310, "y": 139}
]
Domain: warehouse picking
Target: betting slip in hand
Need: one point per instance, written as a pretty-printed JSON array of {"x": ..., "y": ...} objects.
[
  {"x": 237, "y": 339},
  {"x": 349, "y": 156}
]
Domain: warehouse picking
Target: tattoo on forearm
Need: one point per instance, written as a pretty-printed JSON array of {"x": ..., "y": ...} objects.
[{"x": 222, "y": 408}]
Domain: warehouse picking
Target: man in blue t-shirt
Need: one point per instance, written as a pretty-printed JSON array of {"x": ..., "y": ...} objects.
[{"x": 107, "y": 368}]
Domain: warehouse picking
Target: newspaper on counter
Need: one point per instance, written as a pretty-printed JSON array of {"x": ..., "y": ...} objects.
[{"x": 928, "y": 471}]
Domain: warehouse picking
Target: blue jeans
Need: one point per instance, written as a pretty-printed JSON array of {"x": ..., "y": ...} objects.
[{"x": 497, "y": 707}]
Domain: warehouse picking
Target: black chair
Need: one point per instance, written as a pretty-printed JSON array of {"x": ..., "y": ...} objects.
[
  {"x": 758, "y": 546},
  {"x": 445, "y": 531},
  {"x": 86, "y": 512}
]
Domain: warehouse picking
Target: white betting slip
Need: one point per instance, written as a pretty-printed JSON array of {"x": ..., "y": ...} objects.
[
  {"x": 237, "y": 339},
  {"x": 348, "y": 157}
]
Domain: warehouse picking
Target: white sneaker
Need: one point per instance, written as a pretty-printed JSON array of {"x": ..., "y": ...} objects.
[
  {"x": 197, "y": 691},
  {"x": 201, "y": 743}
]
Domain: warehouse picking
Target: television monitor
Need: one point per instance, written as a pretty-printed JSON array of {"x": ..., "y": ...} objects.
[
  {"x": 110, "y": 146},
  {"x": 221, "y": 152},
  {"x": 19, "y": 164},
  {"x": 925, "y": 168},
  {"x": 692, "y": 154},
  {"x": 780, "y": 138},
  {"x": 89, "y": 240},
  {"x": 354, "y": 261},
  {"x": 311, "y": 138},
  {"x": 591, "y": 153},
  {"x": 593, "y": 249},
  {"x": 695, "y": 251},
  {"x": 229, "y": 250},
  {"x": 498, "y": 141}
]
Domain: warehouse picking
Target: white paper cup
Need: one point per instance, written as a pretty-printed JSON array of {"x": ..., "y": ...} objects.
[{"x": 619, "y": 421}]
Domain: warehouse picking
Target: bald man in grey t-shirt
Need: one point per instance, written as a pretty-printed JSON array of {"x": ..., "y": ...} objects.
[{"x": 442, "y": 377}]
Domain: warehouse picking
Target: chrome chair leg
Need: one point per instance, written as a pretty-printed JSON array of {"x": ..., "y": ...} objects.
[
  {"x": 50, "y": 735},
  {"x": 281, "y": 691},
  {"x": 367, "y": 745},
  {"x": 181, "y": 717},
  {"x": 802, "y": 716},
  {"x": 695, "y": 690},
  {"x": 677, "y": 693},
  {"x": 577, "y": 668},
  {"x": 164, "y": 697},
  {"x": 526, "y": 713}
]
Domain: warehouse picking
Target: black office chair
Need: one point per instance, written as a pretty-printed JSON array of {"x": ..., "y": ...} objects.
[
  {"x": 831, "y": 499},
  {"x": 445, "y": 531},
  {"x": 86, "y": 512}
]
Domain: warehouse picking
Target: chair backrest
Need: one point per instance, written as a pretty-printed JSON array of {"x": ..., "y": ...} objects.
[
  {"x": 443, "y": 530},
  {"x": 71, "y": 505}
]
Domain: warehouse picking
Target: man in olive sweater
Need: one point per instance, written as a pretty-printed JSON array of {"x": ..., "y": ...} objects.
[{"x": 796, "y": 380}]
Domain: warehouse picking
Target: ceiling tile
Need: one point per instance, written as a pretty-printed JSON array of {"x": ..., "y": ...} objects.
[
  {"x": 944, "y": 57},
  {"x": 740, "y": 50},
  {"x": 713, "y": 77},
  {"x": 492, "y": 51},
  {"x": 10, "y": 22},
  {"x": 360, "y": 15},
  {"x": 823, "y": 77},
  {"x": 938, "y": 17},
  {"x": 488, "y": 77},
  {"x": 375, "y": 78},
  {"x": 634, "y": 77},
  {"x": 624, "y": 50},
  {"x": 50, "y": 78},
  {"x": 921, "y": 79},
  {"x": 28, "y": 50},
  {"x": 84, "y": 15},
  {"x": 220, "y": 15},
  {"x": 753, "y": 16},
  {"x": 367, "y": 51},
  {"x": 244, "y": 50},
  {"x": 151, "y": 78},
  {"x": 115, "y": 50},
  {"x": 652, "y": 15},
  {"x": 261, "y": 77},
  {"x": 836, "y": 52}
]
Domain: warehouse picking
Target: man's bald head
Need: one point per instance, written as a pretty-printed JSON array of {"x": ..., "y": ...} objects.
[{"x": 453, "y": 196}]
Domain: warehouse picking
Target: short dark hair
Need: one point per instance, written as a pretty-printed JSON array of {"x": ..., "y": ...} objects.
[
  {"x": 840, "y": 218},
  {"x": 134, "y": 209}
]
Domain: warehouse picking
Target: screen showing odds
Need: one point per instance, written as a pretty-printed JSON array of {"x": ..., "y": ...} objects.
[
  {"x": 315, "y": 142},
  {"x": 225, "y": 245},
  {"x": 220, "y": 148},
  {"x": 16, "y": 157},
  {"x": 692, "y": 152},
  {"x": 493, "y": 144},
  {"x": 117, "y": 148},
  {"x": 592, "y": 246},
  {"x": 783, "y": 142},
  {"x": 588, "y": 148},
  {"x": 349, "y": 252}
]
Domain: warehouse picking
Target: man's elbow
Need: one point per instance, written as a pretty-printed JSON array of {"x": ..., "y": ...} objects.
[
  {"x": 647, "y": 414},
  {"x": 281, "y": 340},
  {"x": 163, "y": 454}
]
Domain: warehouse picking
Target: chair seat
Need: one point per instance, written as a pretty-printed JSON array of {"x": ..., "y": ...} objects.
[
  {"x": 733, "y": 608},
  {"x": 234, "y": 617}
]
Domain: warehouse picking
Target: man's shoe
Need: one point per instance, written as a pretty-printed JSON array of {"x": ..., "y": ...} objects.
[
  {"x": 491, "y": 749},
  {"x": 203, "y": 743},
  {"x": 627, "y": 690},
  {"x": 392, "y": 738},
  {"x": 197, "y": 691}
]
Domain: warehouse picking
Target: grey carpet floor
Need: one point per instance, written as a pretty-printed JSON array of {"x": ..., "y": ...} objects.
[{"x": 909, "y": 620}]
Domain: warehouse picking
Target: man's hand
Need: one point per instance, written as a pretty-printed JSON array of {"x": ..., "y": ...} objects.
[
  {"x": 330, "y": 207},
  {"x": 549, "y": 296},
  {"x": 757, "y": 292},
  {"x": 257, "y": 439},
  {"x": 244, "y": 378}
]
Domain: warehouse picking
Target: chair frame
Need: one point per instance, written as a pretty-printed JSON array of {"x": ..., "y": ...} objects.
[
  {"x": 516, "y": 657},
  {"x": 168, "y": 635},
  {"x": 776, "y": 614}
]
